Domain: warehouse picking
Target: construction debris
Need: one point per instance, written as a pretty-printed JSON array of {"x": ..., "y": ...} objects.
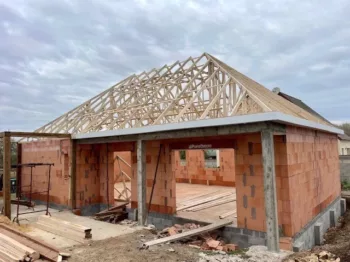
[
  {"x": 113, "y": 215},
  {"x": 193, "y": 234},
  {"x": 323, "y": 256}
]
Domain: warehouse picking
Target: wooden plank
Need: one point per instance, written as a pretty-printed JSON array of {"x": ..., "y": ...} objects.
[
  {"x": 46, "y": 251},
  {"x": 212, "y": 204},
  {"x": 227, "y": 214},
  {"x": 7, "y": 175},
  {"x": 65, "y": 224},
  {"x": 110, "y": 212},
  {"x": 59, "y": 232},
  {"x": 190, "y": 233},
  {"x": 205, "y": 200},
  {"x": 35, "y": 134},
  {"x": 190, "y": 200},
  {"x": 19, "y": 246}
]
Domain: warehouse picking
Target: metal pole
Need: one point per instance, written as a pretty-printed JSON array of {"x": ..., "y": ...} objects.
[{"x": 48, "y": 192}]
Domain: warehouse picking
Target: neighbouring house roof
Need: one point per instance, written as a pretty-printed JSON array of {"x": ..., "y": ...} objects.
[
  {"x": 201, "y": 88},
  {"x": 344, "y": 137},
  {"x": 299, "y": 103}
]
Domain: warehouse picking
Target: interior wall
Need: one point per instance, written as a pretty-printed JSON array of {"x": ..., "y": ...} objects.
[
  {"x": 313, "y": 178},
  {"x": 93, "y": 162},
  {"x": 56, "y": 151},
  {"x": 195, "y": 172},
  {"x": 164, "y": 196}
]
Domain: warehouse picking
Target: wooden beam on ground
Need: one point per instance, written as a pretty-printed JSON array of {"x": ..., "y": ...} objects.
[
  {"x": 190, "y": 233},
  {"x": 7, "y": 175}
]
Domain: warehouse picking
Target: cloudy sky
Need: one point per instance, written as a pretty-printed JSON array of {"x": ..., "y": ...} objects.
[{"x": 54, "y": 55}]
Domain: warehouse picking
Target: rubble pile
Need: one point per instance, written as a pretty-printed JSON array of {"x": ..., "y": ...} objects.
[
  {"x": 206, "y": 241},
  {"x": 323, "y": 256}
]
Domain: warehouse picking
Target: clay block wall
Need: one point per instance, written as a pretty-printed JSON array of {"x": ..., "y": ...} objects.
[
  {"x": 55, "y": 151},
  {"x": 195, "y": 172},
  {"x": 92, "y": 164},
  {"x": 164, "y": 197},
  {"x": 126, "y": 155},
  {"x": 313, "y": 177},
  {"x": 250, "y": 183}
]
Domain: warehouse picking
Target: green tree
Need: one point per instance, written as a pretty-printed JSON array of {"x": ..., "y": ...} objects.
[
  {"x": 345, "y": 127},
  {"x": 13, "y": 153}
]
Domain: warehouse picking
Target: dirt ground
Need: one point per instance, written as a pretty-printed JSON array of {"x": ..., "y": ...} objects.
[
  {"x": 126, "y": 249},
  {"x": 337, "y": 241}
]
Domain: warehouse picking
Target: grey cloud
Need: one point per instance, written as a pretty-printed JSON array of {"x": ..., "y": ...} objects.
[{"x": 57, "y": 54}]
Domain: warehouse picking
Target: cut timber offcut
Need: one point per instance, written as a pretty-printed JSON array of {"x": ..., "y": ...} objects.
[{"x": 190, "y": 233}]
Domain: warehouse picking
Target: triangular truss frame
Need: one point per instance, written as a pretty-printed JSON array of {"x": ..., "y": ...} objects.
[{"x": 197, "y": 88}]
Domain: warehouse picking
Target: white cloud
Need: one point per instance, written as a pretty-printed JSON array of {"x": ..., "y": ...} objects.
[{"x": 56, "y": 54}]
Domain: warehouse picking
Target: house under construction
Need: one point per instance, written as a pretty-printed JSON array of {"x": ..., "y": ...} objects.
[{"x": 284, "y": 159}]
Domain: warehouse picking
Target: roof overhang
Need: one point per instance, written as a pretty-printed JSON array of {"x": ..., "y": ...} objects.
[{"x": 276, "y": 117}]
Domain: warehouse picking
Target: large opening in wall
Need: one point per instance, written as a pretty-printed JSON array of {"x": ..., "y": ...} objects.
[
  {"x": 122, "y": 175},
  {"x": 205, "y": 181}
]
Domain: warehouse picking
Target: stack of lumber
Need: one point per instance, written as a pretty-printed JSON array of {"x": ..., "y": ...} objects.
[
  {"x": 46, "y": 251},
  {"x": 12, "y": 250},
  {"x": 113, "y": 215},
  {"x": 63, "y": 228},
  {"x": 207, "y": 201}
]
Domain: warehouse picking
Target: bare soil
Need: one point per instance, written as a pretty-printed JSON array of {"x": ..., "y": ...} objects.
[
  {"x": 126, "y": 249},
  {"x": 337, "y": 241}
]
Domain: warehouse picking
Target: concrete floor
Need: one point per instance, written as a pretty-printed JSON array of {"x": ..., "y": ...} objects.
[{"x": 186, "y": 191}]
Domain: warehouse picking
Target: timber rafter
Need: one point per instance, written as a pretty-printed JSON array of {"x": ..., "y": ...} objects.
[{"x": 197, "y": 88}]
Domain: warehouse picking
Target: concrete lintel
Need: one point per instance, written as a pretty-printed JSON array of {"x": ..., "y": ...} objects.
[
  {"x": 190, "y": 133},
  {"x": 270, "y": 190},
  {"x": 141, "y": 181}
]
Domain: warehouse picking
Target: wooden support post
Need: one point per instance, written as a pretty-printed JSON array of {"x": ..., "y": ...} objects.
[
  {"x": 141, "y": 181},
  {"x": 270, "y": 190},
  {"x": 73, "y": 177},
  {"x": 7, "y": 175}
]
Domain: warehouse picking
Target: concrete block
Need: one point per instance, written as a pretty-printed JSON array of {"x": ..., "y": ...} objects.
[
  {"x": 332, "y": 220},
  {"x": 342, "y": 206},
  {"x": 298, "y": 246},
  {"x": 247, "y": 232},
  {"x": 318, "y": 234},
  {"x": 256, "y": 241}
]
